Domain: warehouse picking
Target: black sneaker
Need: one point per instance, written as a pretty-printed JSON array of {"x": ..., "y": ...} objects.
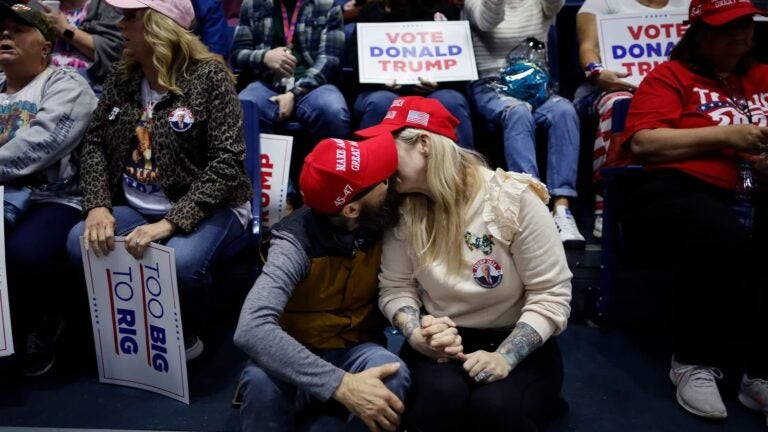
[
  {"x": 193, "y": 346},
  {"x": 39, "y": 350}
]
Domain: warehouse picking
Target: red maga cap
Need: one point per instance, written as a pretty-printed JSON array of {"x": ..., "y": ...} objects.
[
  {"x": 336, "y": 170},
  {"x": 416, "y": 112},
  {"x": 719, "y": 12}
]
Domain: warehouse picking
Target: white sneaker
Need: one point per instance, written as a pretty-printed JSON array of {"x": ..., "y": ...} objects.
[
  {"x": 754, "y": 394},
  {"x": 597, "y": 230},
  {"x": 697, "y": 390},
  {"x": 566, "y": 226},
  {"x": 193, "y": 347}
]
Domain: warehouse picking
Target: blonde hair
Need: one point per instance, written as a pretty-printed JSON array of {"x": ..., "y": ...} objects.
[
  {"x": 435, "y": 226},
  {"x": 173, "y": 50}
]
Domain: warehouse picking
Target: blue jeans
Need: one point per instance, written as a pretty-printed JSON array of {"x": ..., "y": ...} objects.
[
  {"x": 518, "y": 123},
  {"x": 195, "y": 252},
  {"x": 15, "y": 204},
  {"x": 270, "y": 404},
  {"x": 323, "y": 111},
  {"x": 372, "y": 106}
]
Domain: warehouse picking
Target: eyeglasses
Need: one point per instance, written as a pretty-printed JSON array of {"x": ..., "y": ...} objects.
[{"x": 360, "y": 195}]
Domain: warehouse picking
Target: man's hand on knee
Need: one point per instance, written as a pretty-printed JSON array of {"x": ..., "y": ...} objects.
[{"x": 365, "y": 395}]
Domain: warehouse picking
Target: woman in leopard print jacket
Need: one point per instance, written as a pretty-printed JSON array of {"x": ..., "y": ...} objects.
[{"x": 163, "y": 157}]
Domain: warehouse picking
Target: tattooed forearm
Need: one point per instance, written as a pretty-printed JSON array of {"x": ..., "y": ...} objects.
[
  {"x": 523, "y": 340},
  {"x": 406, "y": 319}
]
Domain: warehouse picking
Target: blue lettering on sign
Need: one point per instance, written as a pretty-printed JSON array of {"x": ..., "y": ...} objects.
[
  {"x": 126, "y": 327},
  {"x": 157, "y": 335},
  {"x": 159, "y": 360},
  {"x": 640, "y": 51},
  {"x": 416, "y": 52}
]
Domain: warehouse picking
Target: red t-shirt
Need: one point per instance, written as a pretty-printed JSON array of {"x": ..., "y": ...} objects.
[{"x": 672, "y": 96}]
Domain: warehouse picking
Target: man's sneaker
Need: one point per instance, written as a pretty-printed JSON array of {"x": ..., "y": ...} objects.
[
  {"x": 697, "y": 390},
  {"x": 566, "y": 226},
  {"x": 38, "y": 354},
  {"x": 193, "y": 347},
  {"x": 754, "y": 394}
]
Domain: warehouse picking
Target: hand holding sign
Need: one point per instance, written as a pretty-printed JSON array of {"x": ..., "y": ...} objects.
[
  {"x": 99, "y": 231},
  {"x": 611, "y": 81},
  {"x": 425, "y": 86},
  {"x": 140, "y": 238}
]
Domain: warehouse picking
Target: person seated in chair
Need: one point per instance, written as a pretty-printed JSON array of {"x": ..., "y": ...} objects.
[
  {"x": 87, "y": 37},
  {"x": 697, "y": 124},
  {"x": 290, "y": 51},
  {"x": 498, "y": 26},
  {"x": 604, "y": 87},
  {"x": 44, "y": 113},
  {"x": 163, "y": 159},
  {"x": 310, "y": 325},
  {"x": 373, "y": 102}
]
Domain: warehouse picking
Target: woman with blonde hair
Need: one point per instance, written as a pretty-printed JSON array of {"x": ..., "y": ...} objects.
[
  {"x": 475, "y": 277},
  {"x": 163, "y": 156}
]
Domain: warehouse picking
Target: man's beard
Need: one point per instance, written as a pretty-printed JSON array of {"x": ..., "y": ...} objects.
[{"x": 385, "y": 215}]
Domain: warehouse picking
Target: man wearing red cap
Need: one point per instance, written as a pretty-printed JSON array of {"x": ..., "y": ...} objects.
[{"x": 310, "y": 323}]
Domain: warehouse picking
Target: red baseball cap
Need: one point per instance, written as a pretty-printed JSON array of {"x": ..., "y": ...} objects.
[
  {"x": 720, "y": 12},
  {"x": 336, "y": 170},
  {"x": 417, "y": 112}
]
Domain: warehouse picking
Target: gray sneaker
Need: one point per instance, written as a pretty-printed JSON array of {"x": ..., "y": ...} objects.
[
  {"x": 697, "y": 390},
  {"x": 754, "y": 394}
]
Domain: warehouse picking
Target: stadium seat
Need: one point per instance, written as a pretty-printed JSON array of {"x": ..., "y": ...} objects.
[{"x": 611, "y": 242}]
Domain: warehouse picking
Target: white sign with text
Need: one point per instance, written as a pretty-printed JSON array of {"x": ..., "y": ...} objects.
[
  {"x": 636, "y": 43},
  {"x": 275, "y": 163},
  {"x": 137, "y": 319},
  {"x": 402, "y": 52},
  {"x": 6, "y": 334}
]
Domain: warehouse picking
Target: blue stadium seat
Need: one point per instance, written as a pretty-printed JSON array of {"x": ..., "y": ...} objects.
[
  {"x": 611, "y": 241},
  {"x": 253, "y": 169}
]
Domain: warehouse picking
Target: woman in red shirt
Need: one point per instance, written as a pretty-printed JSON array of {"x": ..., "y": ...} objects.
[{"x": 698, "y": 125}]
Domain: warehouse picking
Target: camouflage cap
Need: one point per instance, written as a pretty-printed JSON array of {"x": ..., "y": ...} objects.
[{"x": 29, "y": 16}]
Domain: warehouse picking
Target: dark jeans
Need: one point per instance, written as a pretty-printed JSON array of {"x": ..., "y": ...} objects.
[
  {"x": 35, "y": 249},
  {"x": 444, "y": 398},
  {"x": 686, "y": 226},
  {"x": 270, "y": 404}
]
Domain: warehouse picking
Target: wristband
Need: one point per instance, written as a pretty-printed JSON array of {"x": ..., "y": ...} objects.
[{"x": 593, "y": 69}]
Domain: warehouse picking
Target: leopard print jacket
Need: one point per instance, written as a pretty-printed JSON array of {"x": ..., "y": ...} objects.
[{"x": 201, "y": 168}]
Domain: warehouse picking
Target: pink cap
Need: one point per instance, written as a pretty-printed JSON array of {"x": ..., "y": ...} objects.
[{"x": 180, "y": 11}]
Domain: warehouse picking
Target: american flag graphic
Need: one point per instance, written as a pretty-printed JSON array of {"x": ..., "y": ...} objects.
[
  {"x": 398, "y": 102},
  {"x": 417, "y": 117}
]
